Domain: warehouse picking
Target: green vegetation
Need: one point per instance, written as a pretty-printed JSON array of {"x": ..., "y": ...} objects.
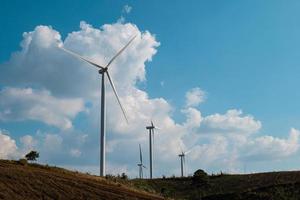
[
  {"x": 32, "y": 156},
  {"x": 260, "y": 186}
]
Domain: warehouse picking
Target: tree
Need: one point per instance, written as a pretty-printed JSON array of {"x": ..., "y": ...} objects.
[
  {"x": 124, "y": 176},
  {"x": 200, "y": 178},
  {"x": 32, "y": 155},
  {"x": 201, "y": 181}
]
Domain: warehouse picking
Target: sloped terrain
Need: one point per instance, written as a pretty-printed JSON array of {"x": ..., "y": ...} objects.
[
  {"x": 33, "y": 181},
  {"x": 260, "y": 186}
]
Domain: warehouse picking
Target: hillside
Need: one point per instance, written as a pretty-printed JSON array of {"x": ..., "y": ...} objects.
[
  {"x": 33, "y": 181},
  {"x": 260, "y": 186}
]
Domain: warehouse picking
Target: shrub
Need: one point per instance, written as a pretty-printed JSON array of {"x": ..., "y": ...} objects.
[
  {"x": 200, "y": 178},
  {"x": 124, "y": 176}
]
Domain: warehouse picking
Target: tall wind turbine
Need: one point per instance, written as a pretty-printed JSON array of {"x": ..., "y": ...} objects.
[
  {"x": 141, "y": 165},
  {"x": 182, "y": 161},
  {"x": 103, "y": 71},
  {"x": 151, "y": 141}
]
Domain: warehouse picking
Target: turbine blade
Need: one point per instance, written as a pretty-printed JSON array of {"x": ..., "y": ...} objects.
[
  {"x": 189, "y": 151},
  {"x": 152, "y": 124},
  {"x": 181, "y": 149},
  {"x": 81, "y": 58},
  {"x": 120, "y": 51},
  {"x": 117, "y": 96},
  {"x": 141, "y": 156},
  {"x": 153, "y": 136}
]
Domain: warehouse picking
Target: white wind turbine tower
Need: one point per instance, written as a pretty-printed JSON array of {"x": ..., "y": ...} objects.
[
  {"x": 103, "y": 71},
  {"x": 151, "y": 141},
  {"x": 141, "y": 165},
  {"x": 182, "y": 161}
]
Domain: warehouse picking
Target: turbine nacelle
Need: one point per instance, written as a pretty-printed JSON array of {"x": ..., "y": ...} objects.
[
  {"x": 102, "y": 70},
  {"x": 150, "y": 127},
  {"x": 181, "y": 155}
]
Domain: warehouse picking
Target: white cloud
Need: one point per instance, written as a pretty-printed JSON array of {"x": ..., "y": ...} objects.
[
  {"x": 28, "y": 143},
  {"x": 194, "y": 97},
  {"x": 75, "y": 152},
  {"x": 64, "y": 83},
  {"x": 217, "y": 148},
  {"x": 193, "y": 116},
  {"x": 232, "y": 121},
  {"x": 39, "y": 105},
  {"x": 8, "y": 147},
  {"x": 269, "y": 147}
]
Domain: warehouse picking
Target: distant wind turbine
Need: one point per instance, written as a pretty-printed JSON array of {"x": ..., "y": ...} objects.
[
  {"x": 103, "y": 71},
  {"x": 182, "y": 161},
  {"x": 141, "y": 165},
  {"x": 151, "y": 141}
]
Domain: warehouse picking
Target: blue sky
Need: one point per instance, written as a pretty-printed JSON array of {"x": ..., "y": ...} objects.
[{"x": 243, "y": 54}]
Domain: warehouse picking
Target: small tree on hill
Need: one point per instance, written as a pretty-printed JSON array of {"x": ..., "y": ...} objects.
[
  {"x": 32, "y": 155},
  {"x": 200, "y": 178},
  {"x": 124, "y": 176}
]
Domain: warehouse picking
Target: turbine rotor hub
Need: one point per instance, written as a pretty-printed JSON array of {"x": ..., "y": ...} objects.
[{"x": 102, "y": 71}]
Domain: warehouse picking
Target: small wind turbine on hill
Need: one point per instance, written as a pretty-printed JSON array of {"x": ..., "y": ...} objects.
[
  {"x": 103, "y": 71},
  {"x": 151, "y": 141},
  {"x": 141, "y": 165},
  {"x": 182, "y": 161}
]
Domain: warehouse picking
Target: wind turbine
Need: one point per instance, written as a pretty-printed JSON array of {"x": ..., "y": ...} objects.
[
  {"x": 182, "y": 161},
  {"x": 103, "y": 71},
  {"x": 151, "y": 141},
  {"x": 141, "y": 165}
]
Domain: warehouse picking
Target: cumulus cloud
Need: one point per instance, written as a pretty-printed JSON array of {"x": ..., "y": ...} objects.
[
  {"x": 194, "y": 97},
  {"x": 215, "y": 149},
  {"x": 63, "y": 84},
  {"x": 75, "y": 152},
  {"x": 193, "y": 118},
  {"x": 28, "y": 104},
  {"x": 8, "y": 147},
  {"x": 269, "y": 147},
  {"x": 28, "y": 143},
  {"x": 232, "y": 121}
]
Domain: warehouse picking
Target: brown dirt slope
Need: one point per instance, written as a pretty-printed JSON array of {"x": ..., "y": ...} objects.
[{"x": 34, "y": 181}]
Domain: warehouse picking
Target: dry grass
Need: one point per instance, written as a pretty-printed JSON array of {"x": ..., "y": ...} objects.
[{"x": 32, "y": 181}]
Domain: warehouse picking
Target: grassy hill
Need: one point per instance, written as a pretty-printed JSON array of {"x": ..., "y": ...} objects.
[
  {"x": 260, "y": 186},
  {"x": 32, "y": 181}
]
